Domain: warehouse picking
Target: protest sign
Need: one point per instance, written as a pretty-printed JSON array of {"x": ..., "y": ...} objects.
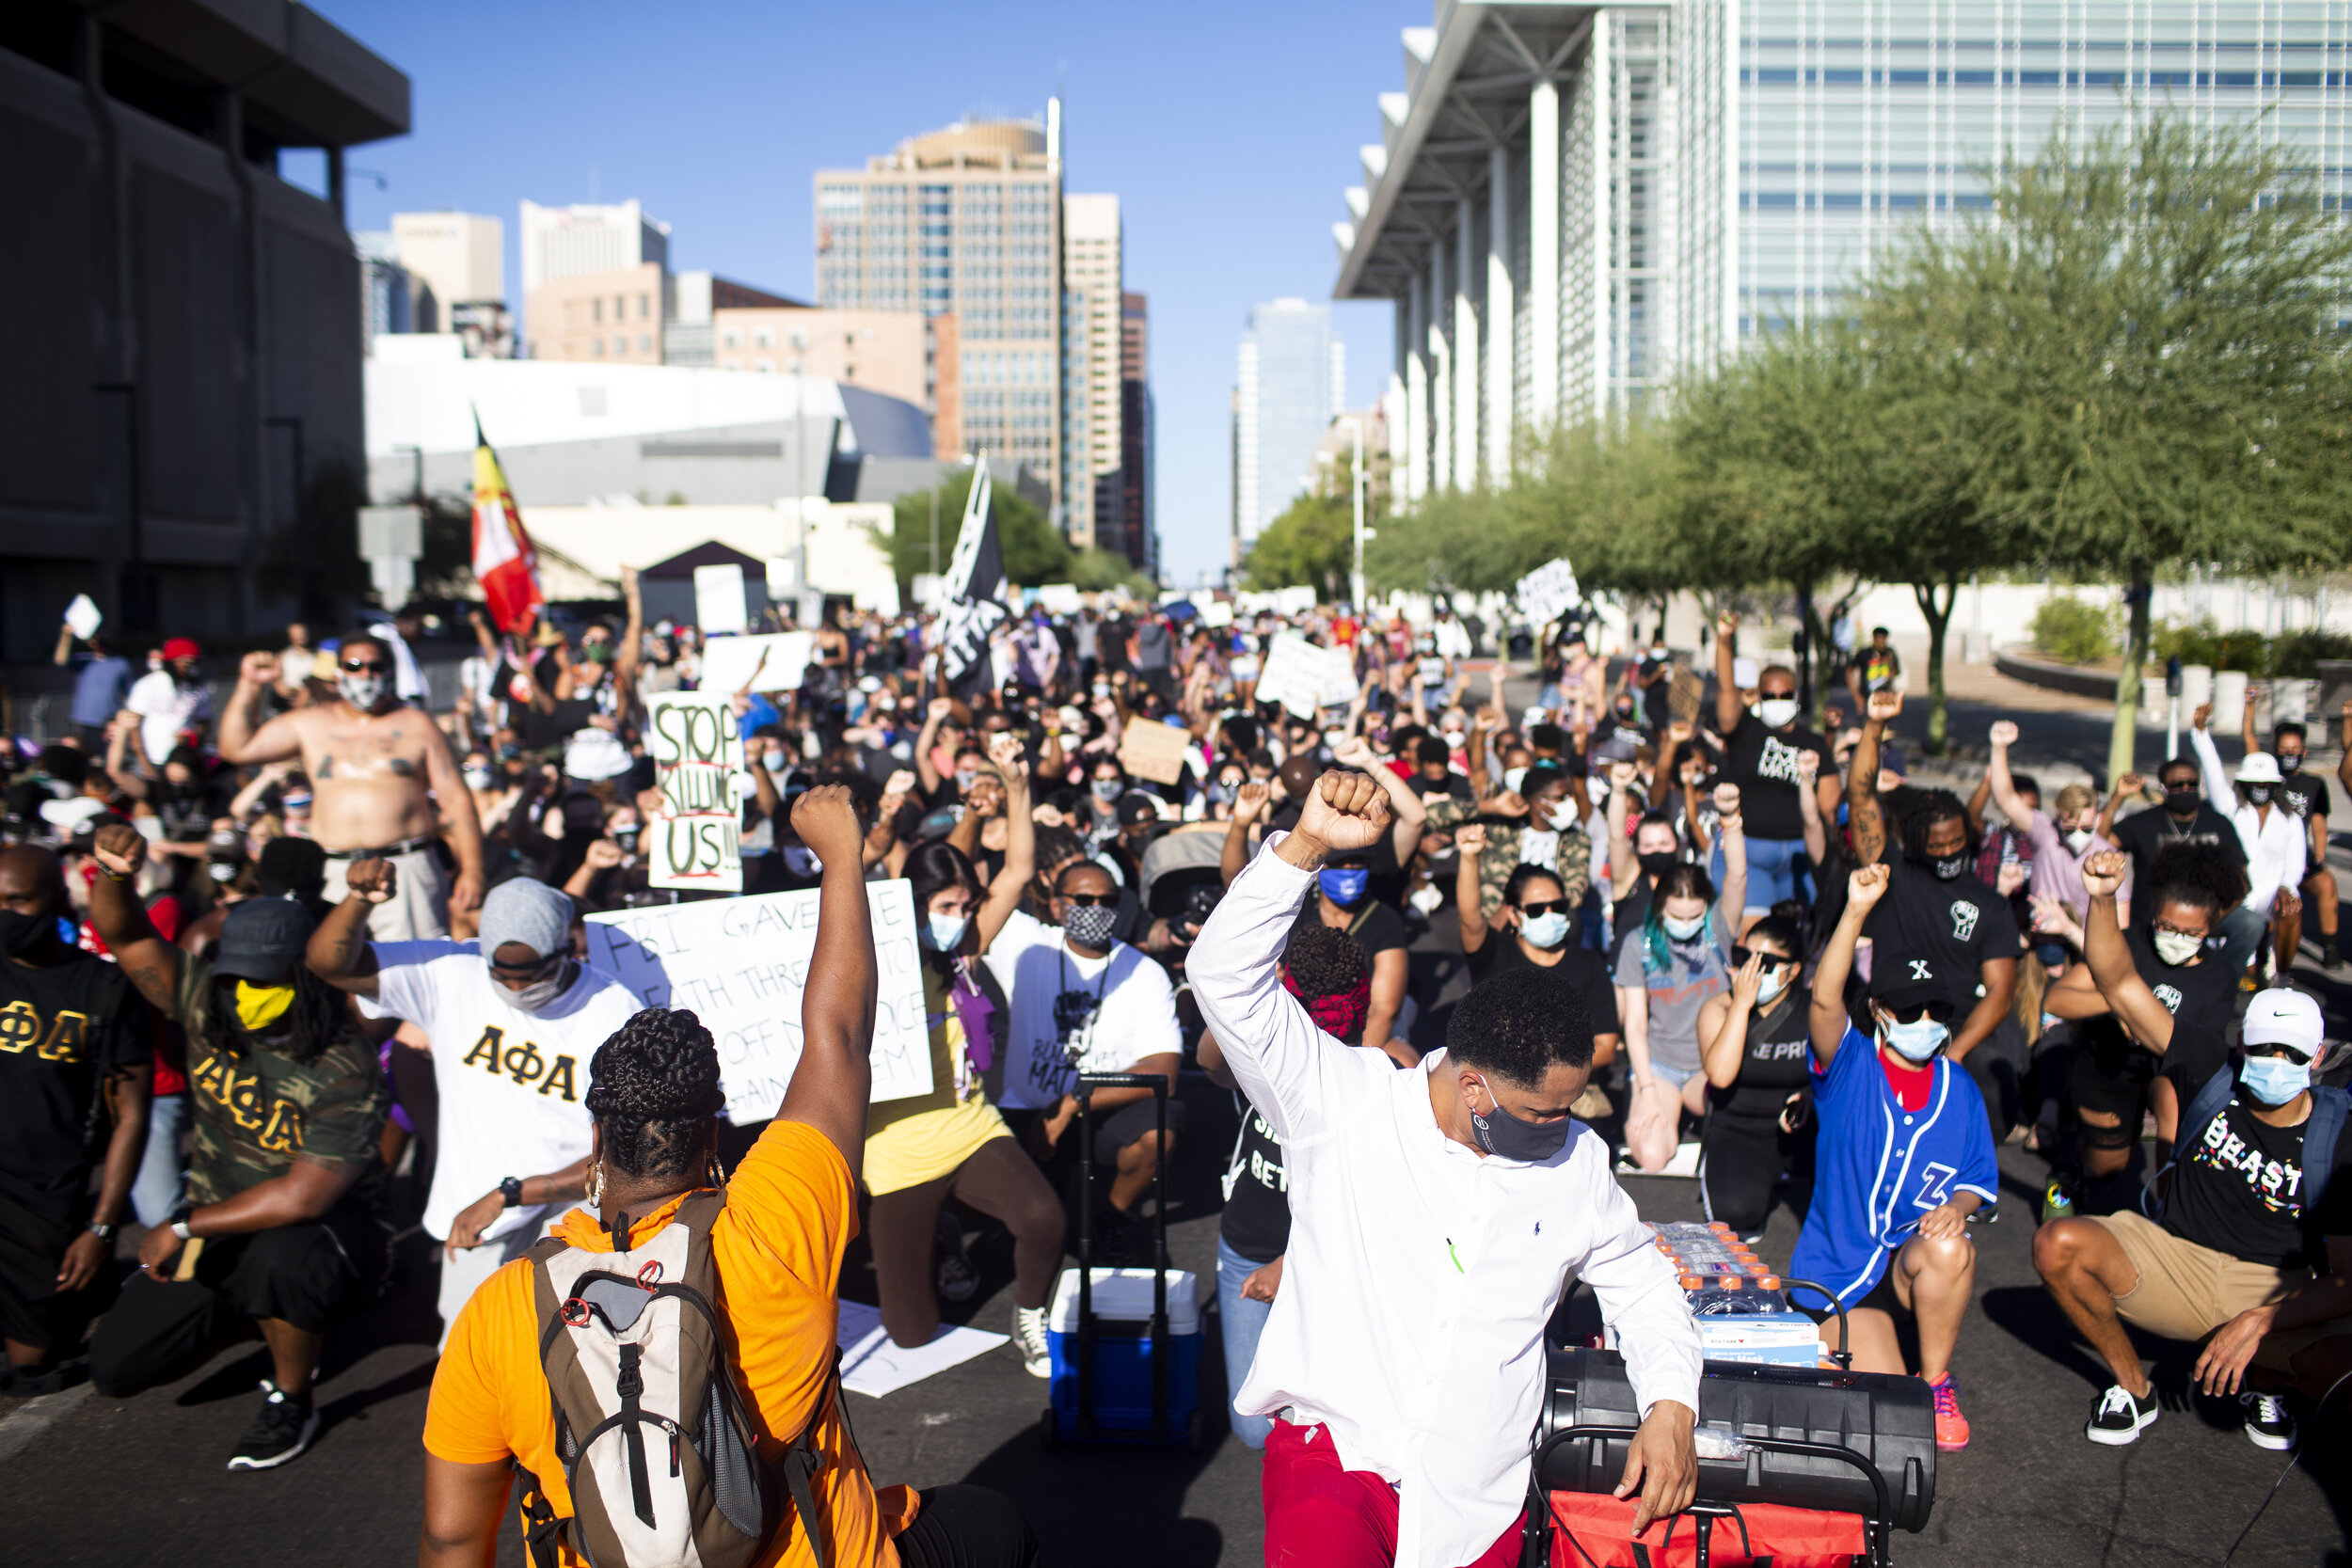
[
  {"x": 719, "y": 601},
  {"x": 1148, "y": 749},
  {"x": 81, "y": 616},
  {"x": 1303, "y": 677},
  {"x": 1547, "y": 590},
  {"x": 779, "y": 659},
  {"x": 698, "y": 767},
  {"x": 740, "y": 965}
]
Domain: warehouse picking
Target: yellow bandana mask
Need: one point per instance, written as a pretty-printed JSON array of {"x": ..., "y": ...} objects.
[{"x": 259, "y": 1007}]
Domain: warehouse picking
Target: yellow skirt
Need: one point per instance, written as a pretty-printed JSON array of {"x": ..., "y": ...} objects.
[{"x": 928, "y": 1147}]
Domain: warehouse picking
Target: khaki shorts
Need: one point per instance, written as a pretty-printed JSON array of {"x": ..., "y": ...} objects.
[
  {"x": 418, "y": 911},
  {"x": 2185, "y": 1291}
]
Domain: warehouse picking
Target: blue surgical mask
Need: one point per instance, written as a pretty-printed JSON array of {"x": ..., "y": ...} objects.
[
  {"x": 1771, "y": 984},
  {"x": 944, "y": 933},
  {"x": 1917, "y": 1040},
  {"x": 1108, "y": 789},
  {"x": 1683, "y": 931},
  {"x": 2273, "y": 1079},
  {"x": 1545, "y": 931},
  {"x": 1344, "y": 885}
]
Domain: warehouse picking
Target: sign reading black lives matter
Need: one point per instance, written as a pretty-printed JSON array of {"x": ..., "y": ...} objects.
[
  {"x": 741, "y": 964},
  {"x": 698, "y": 767}
]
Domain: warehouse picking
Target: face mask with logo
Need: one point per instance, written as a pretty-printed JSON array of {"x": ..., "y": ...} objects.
[
  {"x": 801, "y": 860},
  {"x": 1684, "y": 931},
  {"x": 1106, "y": 789},
  {"x": 362, "y": 690},
  {"x": 2258, "y": 795},
  {"x": 1344, "y": 885},
  {"x": 1089, "y": 926},
  {"x": 2290, "y": 762},
  {"x": 1777, "y": 712},
  {"x": 2275, "y": 1080},
  {"x": 2177, "y": 947},
  {"x": 1943, "y": 868},
  {"x": 1504, "y": 1135},
  {"x": 1546, "y": 931},
  {"x": 944, "y": 933},
  {"x": 1916, "y": 1041}
]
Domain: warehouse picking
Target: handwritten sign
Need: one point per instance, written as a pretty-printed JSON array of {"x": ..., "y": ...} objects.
[
  {"x": 740, "y": 965},
  {"x": 773, "y": 661},
  {"x": 698, "y": 768},
  {"x": 1151, "y": 750},
  {"x": 1303, "y": 677},
  {"x": 1547, "y": 590}
]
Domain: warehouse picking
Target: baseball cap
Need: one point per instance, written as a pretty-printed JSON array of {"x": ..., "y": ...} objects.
[
  {"x": 2284, "y": 1016},
  {"x": 261, "y": 938},
  {"x": 2260, "y": 768},
  {"x": 1136, "y": 806},
  {"x": 1904, "y": 979},
  {"x": 182, "y": 648}
]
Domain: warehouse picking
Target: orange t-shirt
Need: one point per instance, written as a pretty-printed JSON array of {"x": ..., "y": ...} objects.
[{"x": 791, "y": 1211}]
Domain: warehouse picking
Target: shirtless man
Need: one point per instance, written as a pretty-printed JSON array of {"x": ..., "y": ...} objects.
[{"x": 379, "y": 768}]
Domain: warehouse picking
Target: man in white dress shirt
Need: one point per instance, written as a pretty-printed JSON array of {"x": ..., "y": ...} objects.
[{"x": 1435, "y": 1213}]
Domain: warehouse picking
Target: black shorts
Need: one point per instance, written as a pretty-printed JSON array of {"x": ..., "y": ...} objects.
[
  {"x": 1128, "y": 1125},
  {"x": 32, "y": 1245},
  {"x": 2110, "y": 1076}
]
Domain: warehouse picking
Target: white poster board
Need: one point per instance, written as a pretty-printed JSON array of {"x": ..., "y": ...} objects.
[
  {"x": 697, "y": 754},
  {"x": 81, "y": 616},
  {"x": 719, "y": 602},
  {"x": 1060, "y": 599},
  {"x": 1547, "y": 590},
  {"x": 740, "y": 965},
  {"x": 1303, "y": 677},
  {"x": 779, "y": 657}
]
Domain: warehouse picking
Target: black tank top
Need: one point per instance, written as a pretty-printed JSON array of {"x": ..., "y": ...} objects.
[{"x": 1778, "y": 1058}]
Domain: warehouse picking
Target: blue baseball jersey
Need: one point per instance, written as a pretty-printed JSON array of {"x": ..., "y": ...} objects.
[{"x": 1878, "y": 1167}]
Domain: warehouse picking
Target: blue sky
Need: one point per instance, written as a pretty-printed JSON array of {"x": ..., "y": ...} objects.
[{"x": 1227, "y": 131}]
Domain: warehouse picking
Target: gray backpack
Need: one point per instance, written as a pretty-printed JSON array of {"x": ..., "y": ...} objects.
[{"x": 660, "y": 1453}]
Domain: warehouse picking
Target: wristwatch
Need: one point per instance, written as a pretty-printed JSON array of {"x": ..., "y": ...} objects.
[
  {"x": 100, "y": 1229},
  {"x": 511, "y": 1189}
]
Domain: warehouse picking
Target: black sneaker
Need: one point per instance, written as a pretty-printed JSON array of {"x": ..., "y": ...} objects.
[
  {"x": 283, "y": 1429},
  {"x": 28, "y": 1384},
  {"x": 2122, "y": 1416},
  {"x": 2267, "y": 1423}
]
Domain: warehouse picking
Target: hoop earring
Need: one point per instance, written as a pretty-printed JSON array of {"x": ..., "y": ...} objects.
[
  {"x": 595, "y": 1184},
  {"x": 717, "y": 1173}
]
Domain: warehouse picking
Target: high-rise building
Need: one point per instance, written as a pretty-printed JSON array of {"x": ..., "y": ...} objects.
[
  {"x": 965, "y": 221},
  {"x": 1291, "y": 383},
  {"x": 1091, "y": 273},
  {"x": 456, "y": 258},
  {"x": 1137, "y": 538},
  {"x": 584, "y": 238},
  {"x": 616, "y": 316},
  {"x": 1677, "y": 179}
]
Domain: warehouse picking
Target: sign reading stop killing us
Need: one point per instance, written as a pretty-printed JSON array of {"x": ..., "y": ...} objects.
[
  {"x": 740, "y": 966},
  {"x": 698, "y": 767}
]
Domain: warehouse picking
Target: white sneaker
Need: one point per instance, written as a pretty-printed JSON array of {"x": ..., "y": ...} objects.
[{"x": 1028, "y": 1334}]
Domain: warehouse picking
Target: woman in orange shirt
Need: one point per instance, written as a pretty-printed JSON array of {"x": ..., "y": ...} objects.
[{"x": 791, "y": 1209}]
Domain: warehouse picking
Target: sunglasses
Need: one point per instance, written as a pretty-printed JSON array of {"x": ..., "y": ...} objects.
[
  {"x": 1940, "y": 1012},
  {"x": 1543, "y": 906},
  {"x": 1740, "y": 956},
  {"x": 538, "y": 970},
  {"x": 366, "y": 666},
  {"x": 2275, "y": 1048},
  {"x": 1091, "y": 900}
]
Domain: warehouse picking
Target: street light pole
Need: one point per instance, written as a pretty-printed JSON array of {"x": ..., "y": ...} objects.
[{"x": 1356, "y": 574}]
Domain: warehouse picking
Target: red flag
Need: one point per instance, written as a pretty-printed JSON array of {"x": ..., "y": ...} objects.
[{"x": 503, "y": 561}]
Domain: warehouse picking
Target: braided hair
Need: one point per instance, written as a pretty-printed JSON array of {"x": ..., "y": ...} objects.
[
  {"x": 1923, "y": 810},
  {"x": 653, "y": 1087},
  {"x": 317, "y": 1018}
]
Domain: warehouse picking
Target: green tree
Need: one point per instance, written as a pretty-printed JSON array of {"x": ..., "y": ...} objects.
[
  {"x": 1034, "y": 552},
  {"x": 1309, "y": 545}
]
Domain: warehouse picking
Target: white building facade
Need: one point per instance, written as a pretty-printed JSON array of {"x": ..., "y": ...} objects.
[{"x": 1571, "y": 205}]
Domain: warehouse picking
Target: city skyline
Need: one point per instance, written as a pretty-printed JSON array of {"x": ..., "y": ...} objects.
[{"x": 1212, "y": 225}]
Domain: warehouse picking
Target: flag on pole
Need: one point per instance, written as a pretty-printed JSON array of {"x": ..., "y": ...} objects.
[
  {"x": 503, "y": 561},
  {"x": 974, "y": 593}
]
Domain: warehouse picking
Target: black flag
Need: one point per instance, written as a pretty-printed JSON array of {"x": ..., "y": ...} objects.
[{"x": 973, "y": 605}]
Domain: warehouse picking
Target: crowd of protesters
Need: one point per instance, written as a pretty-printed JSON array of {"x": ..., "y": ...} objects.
[{"x": 262, "y": 957}]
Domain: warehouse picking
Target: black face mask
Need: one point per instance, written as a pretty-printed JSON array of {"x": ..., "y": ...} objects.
[
  {"x": 1500, "y": 1134},
  {"x": 1657, "y": 863},
  {"x": 1943, "y": 868},
  {"x": 22, "y": 933},
  {"x": 2182, "y": 802}
]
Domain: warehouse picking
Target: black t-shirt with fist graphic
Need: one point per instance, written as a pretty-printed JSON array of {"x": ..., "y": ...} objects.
[{"x": 1763, "y": 763}]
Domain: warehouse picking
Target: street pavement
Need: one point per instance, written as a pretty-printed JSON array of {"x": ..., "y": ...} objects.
[{"x": 100, "y": 1481}]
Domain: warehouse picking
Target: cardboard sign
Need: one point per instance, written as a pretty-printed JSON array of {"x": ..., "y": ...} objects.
[
  {"x": 741, "y": 964},
  {"x": 698, "y": 767},
  {"x": 720, "y": 605},
  {"x": 773, "y": 661},
  {"x": 1547, "y": 590},
  {"x": 1151, "y": 749}
]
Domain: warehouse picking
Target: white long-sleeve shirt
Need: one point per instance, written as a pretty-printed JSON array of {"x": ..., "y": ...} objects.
[
  {"x": 2274, "y": 846},
  {"x": 1420, "y": 1274}
]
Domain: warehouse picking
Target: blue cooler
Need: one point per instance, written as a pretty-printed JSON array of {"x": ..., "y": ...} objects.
[{"x": 1119, "y": 1388}]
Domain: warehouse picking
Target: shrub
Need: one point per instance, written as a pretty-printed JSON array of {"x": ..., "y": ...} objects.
[
  {"x": 2067, "y": 628},
  {"x": 2297, "y": 655},
  {"x": 2203, "y": 642}
]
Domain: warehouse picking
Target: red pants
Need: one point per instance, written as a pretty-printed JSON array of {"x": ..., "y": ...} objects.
[{"x": 1319, "y": 1515}]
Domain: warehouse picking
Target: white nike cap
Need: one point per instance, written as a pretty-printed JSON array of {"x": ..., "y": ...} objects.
[{"x": 2284, "y": 1016}]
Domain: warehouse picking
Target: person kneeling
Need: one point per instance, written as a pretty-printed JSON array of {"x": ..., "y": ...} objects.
[
  {"x": 287, "y": 1103},
  {"x": 1904, "y": 1156},
  {"x": 2249, "y": 1215}
]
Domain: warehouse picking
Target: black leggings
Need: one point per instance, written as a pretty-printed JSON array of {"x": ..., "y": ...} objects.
[
  {"x": 1745, "y": 1157},
  {"x": 968, "y": 1527}
]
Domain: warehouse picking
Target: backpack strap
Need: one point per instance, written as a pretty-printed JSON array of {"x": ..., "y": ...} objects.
[
  {"x": 542, "y": 1529},
  {"x": 2321, "y": 1133},
  {"x": 802, "y": 1461}
]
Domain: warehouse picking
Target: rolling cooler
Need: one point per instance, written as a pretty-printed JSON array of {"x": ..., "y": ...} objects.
[
  {"x": 1126, "y": 1357},
  {"x": 1797, "y": 1465}
]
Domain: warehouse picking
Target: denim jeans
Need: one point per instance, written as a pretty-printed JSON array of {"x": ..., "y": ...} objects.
[
  {"x": 1778, "y": 869},
  {"x": 1243, "y": 1321},
  {"x": 2242, "y": 932},
  {"x": 155, "y": 1191}
]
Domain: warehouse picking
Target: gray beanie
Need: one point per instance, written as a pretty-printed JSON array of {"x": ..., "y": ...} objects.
[{"x": 530, "y": 912}]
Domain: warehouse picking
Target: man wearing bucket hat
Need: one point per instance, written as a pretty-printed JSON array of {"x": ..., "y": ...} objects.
[
  {"x": 513, "y": 1020},
  {"x": 286, "y": 1107},
  {"x": 2271, "y": 835}
]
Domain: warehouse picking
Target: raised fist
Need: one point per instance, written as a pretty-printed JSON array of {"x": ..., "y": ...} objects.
[
  {"x": 826, "y": 820},
  {"x": 372, "y": 879},
  {"x": 939, "y": 709},
  {"x": 1882, "y": 706},
  {"x": 899, "y": 786},
  {"x": 1808, "y": 769},
  {"x": 604, "y": 854},
  {"x": 2202, "y": 717},
  {"x": 2004, "y": 732},
  {"x": 1250, "y": 803},
  {"x": 121, "y": 849},
  {"x": 1866, "y": 886},
  {"x": 258, "y": 668},
  {"x": 1004, "y": 750},
  {"x": 1727, "y": 799},
  {"x": 1345, "y": 810},
  {"x": 2102, "y": 873},
  {"x": 1727, "y": 625},
  {"x": 1621, "y": 775},
  {"x": 2130, "y": 784},
  {"x": 1470, "y": 837}
]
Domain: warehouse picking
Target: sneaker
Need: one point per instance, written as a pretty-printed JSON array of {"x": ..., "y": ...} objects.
[
  {"x": 1028, "y": 1334},
  {"x": 2058, "y": 1200},
  {"x": 2329, "y": 956},
  {"x": 27, "y": 1384},
  {"x": 959, "y": 1280},
  {"x": 1952, "y": 1427},
  {"x": 2122, "y": 1416},
  {"x": 283, "y": 1429},
  {"x": 2267, "y": 1423}
]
